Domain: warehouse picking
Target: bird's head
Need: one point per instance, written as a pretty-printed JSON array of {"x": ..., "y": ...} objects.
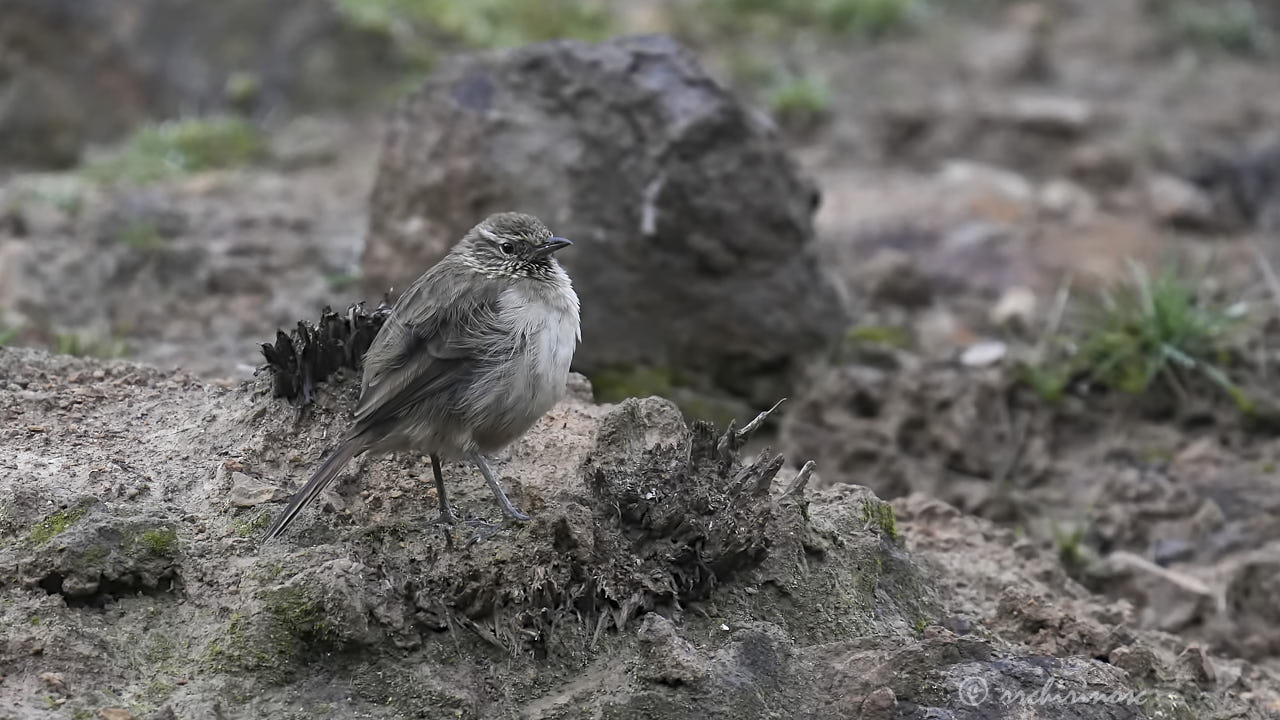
[{"x": 512, "y": 244}]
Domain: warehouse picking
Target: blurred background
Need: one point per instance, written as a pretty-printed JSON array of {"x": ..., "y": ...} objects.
[{"x": 1016, "y": 255}]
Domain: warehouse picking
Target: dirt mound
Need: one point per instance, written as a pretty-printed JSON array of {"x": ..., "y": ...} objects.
[{"x": 661, "y": 577}]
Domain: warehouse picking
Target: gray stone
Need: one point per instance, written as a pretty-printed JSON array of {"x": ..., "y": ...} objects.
[
  {"x": 693, "y": 228},
  {"x": 247, "y": 491},
  {"x": 1176, "y": 202}
]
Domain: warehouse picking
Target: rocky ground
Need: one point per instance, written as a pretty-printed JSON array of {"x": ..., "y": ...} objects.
[
  {"x": 977, "y": 180},
  {"x": 662, "y": 577}
]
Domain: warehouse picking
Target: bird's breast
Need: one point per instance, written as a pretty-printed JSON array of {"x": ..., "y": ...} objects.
[{"x": 529, "y": 368}]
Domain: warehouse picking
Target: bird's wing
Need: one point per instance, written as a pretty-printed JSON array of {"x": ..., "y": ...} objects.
[{"x": 431, "y": 341}]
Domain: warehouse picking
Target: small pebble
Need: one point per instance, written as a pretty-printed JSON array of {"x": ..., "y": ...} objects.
[{"x": 982, "y": 354}]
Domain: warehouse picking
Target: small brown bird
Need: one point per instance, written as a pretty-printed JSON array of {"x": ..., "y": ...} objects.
[{"x": 473, "y": 353}]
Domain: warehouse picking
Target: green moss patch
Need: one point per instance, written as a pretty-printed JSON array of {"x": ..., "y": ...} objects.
[{"x": 55, "y": 524}]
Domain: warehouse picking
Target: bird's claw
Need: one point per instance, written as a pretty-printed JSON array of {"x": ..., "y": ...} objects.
[
  {"x": 446, "y": 518},
  {"x": 485, "y": 530}
]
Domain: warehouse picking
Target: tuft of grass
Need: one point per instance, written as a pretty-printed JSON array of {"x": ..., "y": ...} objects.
[
  {"x": 1232, "y": 26},
  {"x": 1071, "y": 550},
  {"x": 78, "y": 346},
  {"x": 8, "y": 334},
  {"x": 867, "y": 18},
  {"x": 140, "y": 234},
  {"x": 178, "y": 147},
  {"x": 483, "y": 23},
  {"x": 342, "y": 280},
  {"x": 799, "y": 101},
  {"x": 891, "y": 335},
  {"x": 1144, "y": 332}
]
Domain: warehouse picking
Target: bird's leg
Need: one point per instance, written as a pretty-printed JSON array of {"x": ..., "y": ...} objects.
[
  {"x": 507, "y": 508},
  {"x": 446, "y": 513}
]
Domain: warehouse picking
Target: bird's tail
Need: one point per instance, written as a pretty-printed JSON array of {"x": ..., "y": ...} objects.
[{"x": 350, "y": 447}]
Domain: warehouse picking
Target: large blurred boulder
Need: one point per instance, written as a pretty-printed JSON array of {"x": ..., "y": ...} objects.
[
  {"x": 75, "y": 70},
  {"x": 694, "y": 256}
]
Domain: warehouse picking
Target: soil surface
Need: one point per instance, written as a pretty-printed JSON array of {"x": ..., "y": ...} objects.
[{"x": 661, "y": 577}]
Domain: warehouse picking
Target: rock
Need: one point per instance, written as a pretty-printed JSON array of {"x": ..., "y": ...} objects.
[
  {"x": 1016, "y": 309},
  {"x": 881, "y": 704},
  {"x": 1139, "y": 662},
  {"x": 91, "y": 558},
  {"x": 995, "y": 180},
  {"x": 693, "y": 232},
  {"x": 1100, "y": 165},
  {"x": 1208, "y": 518},
  {"x": 938, "y": 332},
  {"x": 115, "y": 714},
  {"x": 674, "y": 659},
  {"x": 1195, "y": 661},
  {"x": 54, "y": 681},
  {"x": 1067, "y": 200},
  {"x": 984, "y": 353},
  {"x": 1178, "y": 203},
  {"x": 249, "y": 492},
  {"x": 893, "y": 277},
  {"x": 1057, "y": 115}
]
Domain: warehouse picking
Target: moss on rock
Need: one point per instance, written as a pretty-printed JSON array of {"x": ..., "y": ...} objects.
[{"x": 56, "y": 524}]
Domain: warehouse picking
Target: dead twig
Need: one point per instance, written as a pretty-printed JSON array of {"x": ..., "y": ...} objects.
[
  {"x": 754, "y": 425},
  {"x": 801, "y": 480}
]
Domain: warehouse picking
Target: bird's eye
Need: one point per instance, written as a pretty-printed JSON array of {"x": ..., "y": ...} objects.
[{"x": 507, "y": 248}]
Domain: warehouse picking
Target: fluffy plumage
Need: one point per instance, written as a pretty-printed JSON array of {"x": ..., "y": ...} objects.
[{"x": 473, "y": 353}]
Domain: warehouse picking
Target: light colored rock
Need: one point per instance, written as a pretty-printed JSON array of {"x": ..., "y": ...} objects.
[
  {"x": 984, "y": 353},
  {"x": 881, "y": 704},
  {"x": 1059, "y": 114},
  {"x": 938, "y": 332},
  {"x": 1067, "y": 200},
  {"x": 54, "y": 681},
  {"x": 971, "y": 174},
  {"x": 1174, "y": 201},
  {"x": 248, "y": 491},
  {"x": 111, "y": 713},
  {"x": 1015, "y": 308}
]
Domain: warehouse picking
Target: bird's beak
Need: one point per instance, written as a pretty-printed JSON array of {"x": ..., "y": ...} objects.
[{"x": 550, "y": 246}]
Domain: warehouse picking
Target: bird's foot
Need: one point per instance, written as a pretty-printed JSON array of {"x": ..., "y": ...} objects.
[
  {"x": 485, "y": 529},
  {"x": 446, "y": 517}
]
